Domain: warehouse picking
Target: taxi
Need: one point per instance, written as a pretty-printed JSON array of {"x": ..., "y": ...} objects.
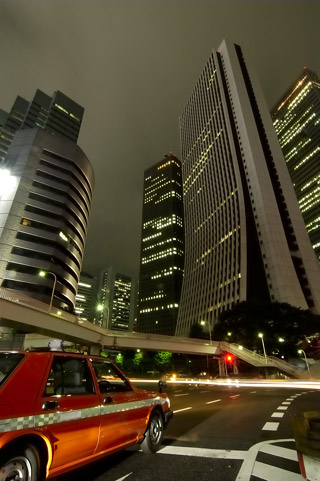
[{"x": 62, "y": 410}]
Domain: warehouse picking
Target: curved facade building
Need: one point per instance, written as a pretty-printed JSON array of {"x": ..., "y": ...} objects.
[
  {"x": 44, "y": 216},
  {"x": 245, "y": 238}
]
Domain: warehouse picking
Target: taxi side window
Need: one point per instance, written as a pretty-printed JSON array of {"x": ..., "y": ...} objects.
[
  {"x": 109, "y": 378},
  {"x": 69, "y": 376}
]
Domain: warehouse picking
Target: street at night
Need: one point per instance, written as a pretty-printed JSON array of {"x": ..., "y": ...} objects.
[{"x": 218, "y": 433}]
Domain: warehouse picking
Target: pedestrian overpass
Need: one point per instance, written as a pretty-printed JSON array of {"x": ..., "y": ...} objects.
[{"x": 29, "y": 315}]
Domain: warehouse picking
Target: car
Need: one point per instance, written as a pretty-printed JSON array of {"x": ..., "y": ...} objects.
[{"x": 61, "y": 410}]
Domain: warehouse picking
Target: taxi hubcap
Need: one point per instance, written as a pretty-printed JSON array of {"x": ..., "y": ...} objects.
[
  {"x": 17, "y": 469},
  {"x": 155, "y": 431}
]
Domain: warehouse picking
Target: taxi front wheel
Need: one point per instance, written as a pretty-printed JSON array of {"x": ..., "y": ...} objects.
[
  {"x": 153, "y": 435},
  {"x": 20, "y": 464}
]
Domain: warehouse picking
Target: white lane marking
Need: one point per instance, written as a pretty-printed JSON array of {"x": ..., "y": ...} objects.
[
  {"x": 178, "y": 390},
  {"x": 286, "y": 403},
  {"x": 124, "y": 477},
  {"x": 183, "y": 409},
  {"x": 215, "y": 401},
  {"x": 277, "y": 415},
  {"x": 184, "y": 394},
  {"x": 270, "y": 426},
  {"x": 235, "y": 396},
  {"x": 282, "y": 408},
  {"x": 290, "y": 399},
  {"x": 201, "y": 392},
  {"x": 249, "y": 461},
  {"x": 279, "y": 451},
  {"x": 203, "y": 452},
  {"x": 265, "y": 471}
]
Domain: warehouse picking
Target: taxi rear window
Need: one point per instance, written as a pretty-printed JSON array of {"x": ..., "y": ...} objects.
[{"x": 8, "y": 363}]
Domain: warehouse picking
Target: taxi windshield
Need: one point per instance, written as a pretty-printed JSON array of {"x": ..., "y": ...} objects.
[{"x": 8, "y": 362}]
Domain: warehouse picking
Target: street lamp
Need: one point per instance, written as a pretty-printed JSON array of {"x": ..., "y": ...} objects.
[
  {"x": 203, "y": 323},
  {"x": 305, "y": 358},
  {"x": 264, "y": 349},
  {"x": 100, "y": 308},
  {"x": 43, "y": 274}
]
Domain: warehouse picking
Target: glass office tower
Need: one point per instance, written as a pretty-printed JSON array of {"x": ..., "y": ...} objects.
[
  {"x": 245, "y": 236},
  {"x": 162, "y": 248},
  {"x": 296, "y": 118}
]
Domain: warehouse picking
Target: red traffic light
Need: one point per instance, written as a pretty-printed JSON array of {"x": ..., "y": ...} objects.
[{"x": 229, "y": 358}]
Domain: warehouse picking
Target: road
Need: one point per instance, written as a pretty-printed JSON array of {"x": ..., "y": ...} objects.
[{"x": 218, "y": 433}]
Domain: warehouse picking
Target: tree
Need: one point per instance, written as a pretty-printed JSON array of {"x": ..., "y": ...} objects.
[
  {"x": 275, "y": 320},
  {"x": 163, "y": 359}
]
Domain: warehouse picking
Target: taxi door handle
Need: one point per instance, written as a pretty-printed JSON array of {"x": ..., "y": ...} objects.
[
  {"x": 108, "y": 400},
  {"x": 50, "y": 405}
]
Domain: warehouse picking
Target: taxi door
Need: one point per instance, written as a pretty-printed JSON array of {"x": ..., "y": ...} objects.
[
  {"x": 67, "y": 410},
  {"x": 118, "y": 399}
]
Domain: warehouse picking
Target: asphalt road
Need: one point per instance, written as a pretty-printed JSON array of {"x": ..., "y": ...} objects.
[{"x": 218, "y": 433}]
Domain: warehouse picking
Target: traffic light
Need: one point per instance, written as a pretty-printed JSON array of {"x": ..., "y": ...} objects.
[{"x": 229, "y": 359}]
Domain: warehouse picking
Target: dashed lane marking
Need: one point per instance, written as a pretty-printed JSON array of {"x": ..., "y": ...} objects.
[
  {"x": 270, "y": 426},
  {"x": 183, "y": 409},
  {"x": 123, "y": 477},
  {"x": 214, "y": 401},
  {"x": 286, "y": 403},
  {"x": 184, "y": 394},
  {"x": 235, "y": 396}
]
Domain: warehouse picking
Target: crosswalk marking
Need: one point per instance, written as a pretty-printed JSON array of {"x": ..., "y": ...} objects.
[
  {"x": 279, "y": 451},
  {"x": 267, "y": 472},
  {"x": 203, "y": 452},
  {"x": 277, "y": 415}
]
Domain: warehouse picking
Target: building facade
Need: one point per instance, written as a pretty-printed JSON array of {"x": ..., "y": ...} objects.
[
  {"x": 296, "y": 118},
  {"x": 86, "y": 298},
  {"x": 117, "y": 299},
  {"x": 44, "y": 216},
  {"x": 58, "y": 115},
  {"x": 162, "y": 248},
  {"x": 245, "y": 236}
]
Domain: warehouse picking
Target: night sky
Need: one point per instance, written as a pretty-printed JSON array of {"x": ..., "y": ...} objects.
[{"x": 132, "y": 65}]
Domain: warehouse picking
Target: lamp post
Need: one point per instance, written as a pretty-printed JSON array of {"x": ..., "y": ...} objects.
[
  {"x": 43, "y": 274},
  {"x": 203, "y": 323},
  {"x": 306, "y": 360},
  {"x": 100, "y": 308},
  {"x": 264, "y": 349}
]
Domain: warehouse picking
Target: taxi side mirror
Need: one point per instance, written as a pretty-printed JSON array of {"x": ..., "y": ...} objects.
[{"x": 162, "y": 385}]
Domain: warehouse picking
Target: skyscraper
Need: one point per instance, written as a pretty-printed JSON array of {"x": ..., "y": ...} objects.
[
  {"x": 58, "y": 115},
  {"x": 117, "y": 298},
  {"x": 245, "y": 236},
  {"x": 162, "y": 248},
  {"x": 86, "y": 298},
  {"x": 45, "y": 202},
  {"x": 296, "y": 118}
]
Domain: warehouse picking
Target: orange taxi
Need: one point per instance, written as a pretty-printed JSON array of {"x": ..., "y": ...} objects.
[{"x": 59, "y": 411}]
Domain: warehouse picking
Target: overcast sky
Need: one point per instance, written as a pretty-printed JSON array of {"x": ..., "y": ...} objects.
[{"x": 132, "y": 65}]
